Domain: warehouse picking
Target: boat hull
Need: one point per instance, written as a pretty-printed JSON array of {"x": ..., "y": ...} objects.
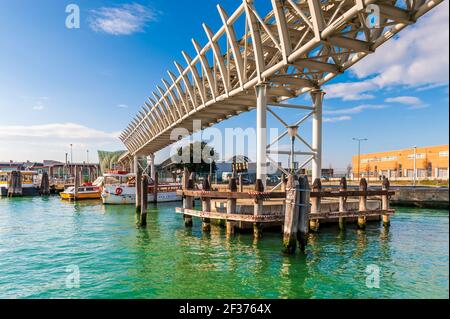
[
  {"x": 26, "y": 191},
  {"x": 67, "y": 196},
  {"x": 128, "y": 199}
]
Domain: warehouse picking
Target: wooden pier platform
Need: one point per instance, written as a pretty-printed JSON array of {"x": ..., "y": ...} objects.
[{"x": 298, "y": 203}]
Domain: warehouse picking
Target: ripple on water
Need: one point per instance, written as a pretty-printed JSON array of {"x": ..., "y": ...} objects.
[{"x": 41, "y": 238}]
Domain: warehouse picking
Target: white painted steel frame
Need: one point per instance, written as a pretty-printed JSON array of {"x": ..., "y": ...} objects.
[{"x": 299, "y": 46}]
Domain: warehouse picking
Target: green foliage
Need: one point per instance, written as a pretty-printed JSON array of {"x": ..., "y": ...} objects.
[{"x": 193, "y": 152}]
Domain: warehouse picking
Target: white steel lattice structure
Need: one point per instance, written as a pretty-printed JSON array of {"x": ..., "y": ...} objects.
[{"x": 295, "y": 49}]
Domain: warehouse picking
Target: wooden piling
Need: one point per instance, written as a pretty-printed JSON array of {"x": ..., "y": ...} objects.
[
  {"x": 258, "y": 209},
  {"x": 155, "y": 188},
  {"x": 44, "y": 189},
  {"x": 188, "y": 201},
  {"x": 291, "y": 217},
  {"x": 284, "y": 182},
  {"x": 241, "y": 183},
  {"x": 206, "y": 205},
  {"x": 144, "y": 201},
  {"x": 138, "y": 173},
  {"x": 362, "y": 203},
  {"x": 76, "y": 182},
  {"x": 343, "y": 204},
  {"x": 314, "y": 224},
  {"x": 305, "y": 208},
  {"x": 81, "y": 182},
  {"x": 15, "y": 184},
  {"x": 231, "y": 206},
  {"x": 385, "y": 202}
]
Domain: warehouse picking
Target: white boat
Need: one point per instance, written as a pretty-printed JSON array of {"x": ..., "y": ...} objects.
[{"x": 119, "y": 189}]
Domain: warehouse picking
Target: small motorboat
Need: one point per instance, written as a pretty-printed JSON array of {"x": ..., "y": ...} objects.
[{"x": 87, "y": 191}]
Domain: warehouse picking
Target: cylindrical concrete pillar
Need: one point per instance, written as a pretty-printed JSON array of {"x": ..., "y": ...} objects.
[
  {"x": 261, "y": 132},
  {"x": 317, "y": 97}
]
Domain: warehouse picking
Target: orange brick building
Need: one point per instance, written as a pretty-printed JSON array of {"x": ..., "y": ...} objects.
[{"x": 431, "y": 163}]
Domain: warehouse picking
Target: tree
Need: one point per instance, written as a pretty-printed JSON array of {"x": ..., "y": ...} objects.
[{"x": 197, "y": 157}]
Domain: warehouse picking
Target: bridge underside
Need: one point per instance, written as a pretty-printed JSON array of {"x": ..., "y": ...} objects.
[{"x": 299, "y": 46}]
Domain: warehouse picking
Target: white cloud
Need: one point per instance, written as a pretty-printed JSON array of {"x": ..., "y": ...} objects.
[
  {"x": 39, "y": 106},
  {"x": 412, "y": 101},
  {"x": 51, "y": 141},
  {"x": 122, "y": 106},
  {"x": 39, "y": 103},
  {"x": 122, "y": 20},
  {"x": 408, "y": 100},
  {"x": 356, "y": 109},
  {"x": 70, "y": 131},
  {"x": 418, "y": 57},
  {"x": 336, "y": 119},
  {"x": 350, "y": 91}
]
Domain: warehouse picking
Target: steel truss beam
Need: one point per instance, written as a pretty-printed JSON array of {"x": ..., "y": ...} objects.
[{"x": 296, "y": 48}]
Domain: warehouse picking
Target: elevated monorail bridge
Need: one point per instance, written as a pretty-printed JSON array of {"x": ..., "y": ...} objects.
[{"x": 298, "y": 47}]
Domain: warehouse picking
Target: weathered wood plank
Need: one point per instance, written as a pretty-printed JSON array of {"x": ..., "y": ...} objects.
[
  {"x": 232, "y": 217},
  {"x": 278, "y": 195}
]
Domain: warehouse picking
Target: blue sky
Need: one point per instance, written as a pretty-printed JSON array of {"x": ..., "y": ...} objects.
[{"x": 82, "y": 86}]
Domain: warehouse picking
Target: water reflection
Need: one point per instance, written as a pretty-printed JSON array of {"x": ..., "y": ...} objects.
[{"x": 40, "y": 237}]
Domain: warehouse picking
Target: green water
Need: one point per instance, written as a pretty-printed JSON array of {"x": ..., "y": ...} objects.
[{"x": 43, "y": 241}]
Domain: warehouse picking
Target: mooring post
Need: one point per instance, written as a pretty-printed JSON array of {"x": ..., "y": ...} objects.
[
  {"x": 284, "y": 182},
  {"x": 81, "y": 169},
  {"x": 193, "y": 183},
  {"x": 385, "y": 202},
  {"x": 155, "y": 188},
  {"x": 45, "y": 185},
  {"x": 362, "y": 203},
  {"x": 305, "y": 208},
  {"x": 138, "y": 173},
  {"x": 15, "y": 184},
  {"x": 291, "y": 217},
  {"x": 206, "y": 205},
  {"x": 314, "y": 224},
  {"x": 241, "y": 183},
  {"x": 258, "y": 208},
  {"x": 231, "y": 206},
  {"x": 76, "y": 183},
  {"x": 90, "y": 180},
  {"x": 188, "y": 184},
  {"x": 144, "y": 201},
  {"x": 343, "y": 203}
]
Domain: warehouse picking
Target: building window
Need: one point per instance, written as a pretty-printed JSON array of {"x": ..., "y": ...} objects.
[
  {"x": 443, "y": 154},
  {"x": 418, "y": 156},
  {"x": 442, "y": 173},
  {"x": 389, "y": 158},
  {"x": 421, "y": 173}
]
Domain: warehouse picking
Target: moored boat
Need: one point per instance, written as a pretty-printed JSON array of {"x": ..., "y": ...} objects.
[
  {"x": 119, "y": 189},
  {"x": 84, "y": 192},
  {"x": 29, "y": 185}
]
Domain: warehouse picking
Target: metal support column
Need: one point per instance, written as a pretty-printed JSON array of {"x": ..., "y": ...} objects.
[
  {"x": 317, "y": 97},
  {"x": 261, "y": 132}
]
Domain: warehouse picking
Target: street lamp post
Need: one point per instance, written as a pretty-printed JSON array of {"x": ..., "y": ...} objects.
[
  {"x": 87, "y": 156},
  {"x": 359, "y": 140},
  {"x": 71, "y": 153}
]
